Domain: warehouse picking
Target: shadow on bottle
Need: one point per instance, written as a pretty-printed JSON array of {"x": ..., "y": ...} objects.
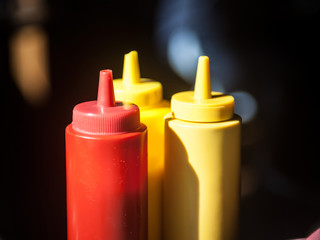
[{"x": 181, "y": 191}]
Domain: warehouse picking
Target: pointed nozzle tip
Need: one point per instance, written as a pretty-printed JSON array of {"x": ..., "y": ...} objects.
[
  {"x": 106, "y": 73},
  {"x": 133, "y": 53},
  {"x": 105, "y": 90},
  {"x": 203, "y": 82},
  {"x": 131, "y": 70},
  {"x": 204, "y": 59}
]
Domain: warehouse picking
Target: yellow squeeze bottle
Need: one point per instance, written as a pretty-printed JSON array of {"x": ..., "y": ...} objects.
[
  {"x": 147, "y": 94},
  {"x": 202, "y": 163}
]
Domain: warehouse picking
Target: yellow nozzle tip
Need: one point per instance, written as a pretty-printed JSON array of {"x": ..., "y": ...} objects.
[
  {"x": 202, "y": 89},
  {"x": 132, "y": 88},
  {"x": 202, "y": 105},
  {"x": 131, "y": 70},
  {"x": 204, "y": 59}
]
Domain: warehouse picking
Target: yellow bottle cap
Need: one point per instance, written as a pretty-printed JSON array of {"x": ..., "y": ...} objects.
[
  {"x": 202, "y": 105},
  {"x": 132, "y": 88}
]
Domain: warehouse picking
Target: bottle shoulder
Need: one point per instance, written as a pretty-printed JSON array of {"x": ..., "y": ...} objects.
[
  {"x": 69, "y": 131},
  {"x": 164, "y": 104},
  {"x": 157, "y": 111},
  {"x": 174, "y": 122}
]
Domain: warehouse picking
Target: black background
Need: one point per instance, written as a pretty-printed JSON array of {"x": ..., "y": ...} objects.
[{"x": 278, "y": 47}]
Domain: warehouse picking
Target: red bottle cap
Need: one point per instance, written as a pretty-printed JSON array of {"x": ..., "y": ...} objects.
[{"x": 105, "y": 116}]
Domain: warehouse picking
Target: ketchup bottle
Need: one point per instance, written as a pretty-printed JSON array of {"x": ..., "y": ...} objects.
[{"x": 106, "y": 164}]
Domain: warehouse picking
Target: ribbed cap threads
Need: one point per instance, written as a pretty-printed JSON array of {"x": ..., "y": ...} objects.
[{"x": 105, "y": 116}]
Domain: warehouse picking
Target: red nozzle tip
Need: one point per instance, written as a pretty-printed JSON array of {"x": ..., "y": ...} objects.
[{"x": 105, "y": 90}]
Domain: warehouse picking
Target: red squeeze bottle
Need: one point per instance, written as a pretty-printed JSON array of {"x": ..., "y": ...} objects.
[{"x": 106, "y": 164}]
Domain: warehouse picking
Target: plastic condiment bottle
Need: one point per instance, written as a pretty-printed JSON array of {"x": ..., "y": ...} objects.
[
  {"x": 147, "y": 94},
  {"x": 106, "y": 163},
  {"x": 202, "y": 163}
]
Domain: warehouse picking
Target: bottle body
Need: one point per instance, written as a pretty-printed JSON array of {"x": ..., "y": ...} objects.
[
  {"x": 201, "y": 179},
  {"x": 147, "y": 94},
  {"x": 153, "y": 117},
  {"x": 106, "y": 185}
]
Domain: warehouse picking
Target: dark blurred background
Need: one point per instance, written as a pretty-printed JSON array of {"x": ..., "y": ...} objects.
[{"x": 265, "y": 53}]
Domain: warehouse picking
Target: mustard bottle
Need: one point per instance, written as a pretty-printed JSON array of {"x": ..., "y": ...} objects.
[
  {"x": 202, "y": 163},
  {"x": 147, "y": 94}
]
